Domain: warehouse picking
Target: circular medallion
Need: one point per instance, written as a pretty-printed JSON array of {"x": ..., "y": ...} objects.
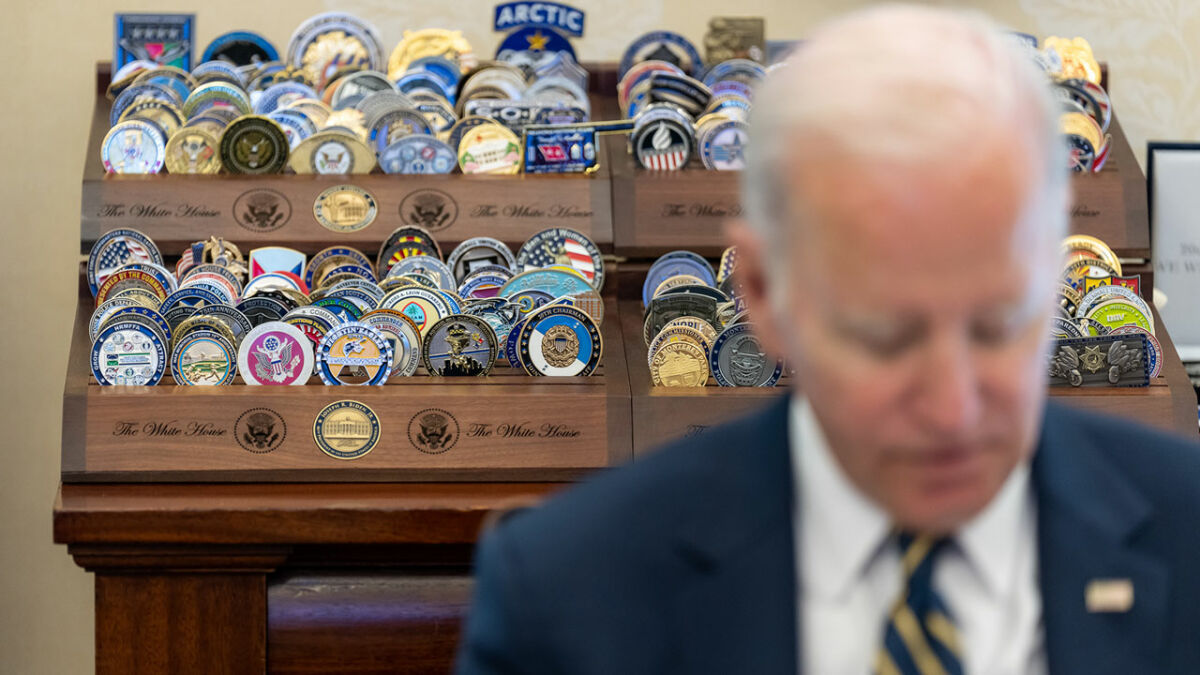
[
  {"x": 203, "y": 357},
  {"x": 345, "y": 208},
  {"x": 479, "y": 252},
  {"x": 424, "y": 306},
  {"x": 1061, "y": 327},
  {"x": 115, "y": 249},
  {"x": 103, "y": 311},
  {"x": 459, "y": 345},
  {"x": 662, "y": 145},
  {"x": 422, "y": 264},
  {"x": 558, "y": 340},
  {"x": 354, "y": 354},
  {"x": 566, "y": 247},
  {"x": 1103, "y": 293},
  {"x": 253, "y": 144},
  {"x": 128, "y": 353},
  {"x": 554, "y": 282},
  {"x": 724, "y": 146},
  {"x": 241, "y": 48},
  {"x": 193, "y": 150},
  {"x": 402, "y": 334},
  {"x": 261, "y": 309},
  {"x": 275, "y": 353},
  {"x": 421, "y": 44},
  {"x": 490, "y": 148},
  {"x": 327, "y": 42},
  {"x": 133, "y": 147},
  {"x": 1116, "y": 313},
  {"x": 417, "y": 154},
  {"x": 679, "y": 364},
  {"x": 666, "y": 47},
  {"x": 346, "y": 429},
  {"x": 123, "y": 279},
  {"x": 140, "y": 313},
  {"x": 332, "y": 153},
  {"x": 1097, "y": 248},
  {"x": 738, "y": 359},
  {"x": 312, "y": 322}
]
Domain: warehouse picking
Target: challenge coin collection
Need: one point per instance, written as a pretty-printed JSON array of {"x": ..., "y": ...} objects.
[
  {"x": 334, "y": 105},
  {"x": 1096, "y": 300},
  {"x": 679, "y": 109},
  {"x": 277, "y": 316},
  {"x": 694, "y": 326}
]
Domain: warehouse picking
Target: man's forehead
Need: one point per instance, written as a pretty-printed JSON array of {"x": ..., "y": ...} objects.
[{"x": 980, "y": 195}]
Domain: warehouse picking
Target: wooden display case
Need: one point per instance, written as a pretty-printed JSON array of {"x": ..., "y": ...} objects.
[{"x": 659, "y": 211}]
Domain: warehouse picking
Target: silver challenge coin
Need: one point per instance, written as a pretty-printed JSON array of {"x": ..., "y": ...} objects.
[
  {"x": 479, "y": 252},
  {"x": 738, "y": 359}
]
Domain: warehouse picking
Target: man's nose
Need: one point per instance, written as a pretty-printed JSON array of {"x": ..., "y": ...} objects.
[{"x": 949, "y": 400}]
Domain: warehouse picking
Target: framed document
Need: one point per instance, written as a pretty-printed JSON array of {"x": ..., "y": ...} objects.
[{"x": 1172, "y": 177}]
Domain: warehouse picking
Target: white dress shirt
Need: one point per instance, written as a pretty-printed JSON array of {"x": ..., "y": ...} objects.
[{"x": 849, "y": 574}]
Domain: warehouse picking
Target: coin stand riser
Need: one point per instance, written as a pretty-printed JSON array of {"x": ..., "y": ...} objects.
[
  {"x": 505, "y": 426},
  {"x": 275, "y": 208},
  {"x": 659, "y": 211}
]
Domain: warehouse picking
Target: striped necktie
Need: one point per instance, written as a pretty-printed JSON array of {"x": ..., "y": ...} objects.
[{"x": 920, "y": 637}]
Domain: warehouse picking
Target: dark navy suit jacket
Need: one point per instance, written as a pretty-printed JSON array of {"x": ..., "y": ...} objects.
[{"x": 684, "y": 562}]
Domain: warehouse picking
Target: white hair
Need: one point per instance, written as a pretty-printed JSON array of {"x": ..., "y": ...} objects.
[{"x": 906, "y": 84}]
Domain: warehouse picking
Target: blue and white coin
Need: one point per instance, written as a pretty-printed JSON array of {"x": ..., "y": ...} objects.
[
  {"x": 417, "y": 154},
  {"x": 561, "y": 341},
  {"x": 128, "y": 353}
]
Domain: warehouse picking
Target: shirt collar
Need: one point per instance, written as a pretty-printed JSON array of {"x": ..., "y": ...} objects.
[
  {"x": 835, "y": 519},
  {"x": 990, "y": 541},
  {"x": 849, "y": 530}
]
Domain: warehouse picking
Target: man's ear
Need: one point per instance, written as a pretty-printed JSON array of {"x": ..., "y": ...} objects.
[{"x": 751, "y": 272}]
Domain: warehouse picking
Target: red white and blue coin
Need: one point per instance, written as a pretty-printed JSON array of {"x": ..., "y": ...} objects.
[
  {"x": 563, "y": 246},
  {"x": 116, "y": 248}
]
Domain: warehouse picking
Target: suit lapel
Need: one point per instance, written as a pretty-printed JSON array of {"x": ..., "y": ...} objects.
[
  {"x": 1089, "y": 518},
  {"x": 737, "y": 612}
]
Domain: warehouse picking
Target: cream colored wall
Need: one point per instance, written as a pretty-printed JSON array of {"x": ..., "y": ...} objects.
[{"x": 50, "y": 47}]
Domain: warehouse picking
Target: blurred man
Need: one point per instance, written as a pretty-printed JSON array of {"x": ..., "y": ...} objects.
[{"x": 916, "y": 506}]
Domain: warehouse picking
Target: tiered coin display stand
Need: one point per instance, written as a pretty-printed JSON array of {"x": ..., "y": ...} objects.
[{"x": 509, "y": 426}]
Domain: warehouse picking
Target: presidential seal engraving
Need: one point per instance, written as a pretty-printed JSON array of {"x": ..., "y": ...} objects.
[
  {"x": 260, "y": 430},
  {"x": 429, "y": 208},
  {"x": 433, "y": 431},
  {"x": 262, "y": 210}
]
